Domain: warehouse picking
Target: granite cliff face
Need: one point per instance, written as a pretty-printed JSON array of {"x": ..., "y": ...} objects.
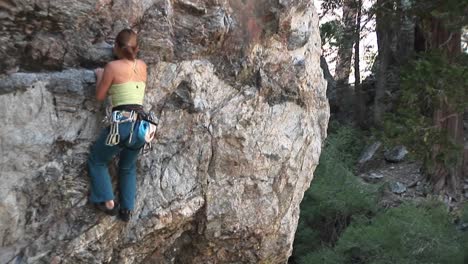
[{"x": 243, "y": 112}]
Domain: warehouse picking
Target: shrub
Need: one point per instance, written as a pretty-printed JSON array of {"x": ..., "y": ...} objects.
[
  {"x": 322, "y": 256},
  {"x": 464, "y": 219},
  {"x": 406, "y": 234},
  {"x": 335, "y": 195}
]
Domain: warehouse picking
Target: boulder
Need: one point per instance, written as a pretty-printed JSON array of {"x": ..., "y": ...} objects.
[
  {"x": 369, "y": 152},
  {"x": 397, "y": 187},
  {"x": 396, "y": 154},
  {"x": 241, "y": 99}
]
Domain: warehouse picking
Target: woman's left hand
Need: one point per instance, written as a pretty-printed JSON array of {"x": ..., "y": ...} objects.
[
  {"x": 99, "y": 72},
  {"x": 104, "y": 79}
]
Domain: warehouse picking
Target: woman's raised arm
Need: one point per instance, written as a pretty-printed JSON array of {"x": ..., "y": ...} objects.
[{"x": 104, "y": 79}]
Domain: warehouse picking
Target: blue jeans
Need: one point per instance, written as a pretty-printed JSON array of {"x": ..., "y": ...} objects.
[{"x": 99, "y": 158}]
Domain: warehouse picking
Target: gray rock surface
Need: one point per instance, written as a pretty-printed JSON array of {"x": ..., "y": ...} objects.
[
  {"x": 396, "y": 154},
  {"x": 372, "y": 177},
  {"x": 369, "y": 152},
  {"x": 397, "y": 187},
  {"x": 375, "y": 176},
  {"x": 241, "y": 99}
]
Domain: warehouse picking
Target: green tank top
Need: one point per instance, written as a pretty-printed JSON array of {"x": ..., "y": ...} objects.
[{"x": 131, "y": 92}]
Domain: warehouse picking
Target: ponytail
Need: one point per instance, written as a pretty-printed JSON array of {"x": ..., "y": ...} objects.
[{"x": 129, "y": 52}]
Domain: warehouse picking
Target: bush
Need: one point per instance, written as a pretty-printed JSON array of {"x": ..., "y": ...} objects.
[
  {"x": 464, "y": 219},
  {"x": 406, "y": 235},
  {"x": 322, "y": 256},
  {"x": 335, "y": 195}
]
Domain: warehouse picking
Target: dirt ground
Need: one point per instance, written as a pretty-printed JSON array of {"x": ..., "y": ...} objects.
[{"x": 407, "y": 179}]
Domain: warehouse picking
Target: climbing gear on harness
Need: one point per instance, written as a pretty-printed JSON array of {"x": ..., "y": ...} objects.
[
  {"x": 147, "y": 129},
  {"x": 119, "y": 117},
  {"x": 131, "y": 133},
  {"x": 113, "y": 138},
  {"x": 144, "y": 125}
]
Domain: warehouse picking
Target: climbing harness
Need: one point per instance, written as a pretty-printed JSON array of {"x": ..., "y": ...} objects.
[
  {"x": 143, "y": 125},
  {"x": 118, "y": 117}
]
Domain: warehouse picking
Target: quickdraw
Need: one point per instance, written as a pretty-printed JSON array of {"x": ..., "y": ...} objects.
[
  {"x": 120, "y": 117},
  {"x": 113, "y": 138}
]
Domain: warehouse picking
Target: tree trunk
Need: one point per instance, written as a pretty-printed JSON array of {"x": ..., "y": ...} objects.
[
  {"x": 406, "y": 34},
  {"x": 331, "y": 84},
  {"x": 345, "y": 52},
  {"x": 359, "y": 100},
  {"x": 384, "y": 42},
  {"x": 465, "y": 146},
  {"x": 447, "y": 179},
  {"x": 396, "y": 41}
]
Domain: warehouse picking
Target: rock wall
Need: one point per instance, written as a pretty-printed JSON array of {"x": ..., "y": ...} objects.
[{"x": 243, "y": 112}]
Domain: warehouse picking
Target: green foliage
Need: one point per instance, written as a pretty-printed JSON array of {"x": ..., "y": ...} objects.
[
  {"x": 432, "y": 78},
  {"x": 426, "y": 84},
  {"x": 464, "y": 215},
  {"x": 322, "y": 256},
  {"x": 452, "y": 12},
  {"x": 331, "y": 32},
  {"x": 464, "y": 219},
  {"x": 406, "y": 234},
  {"x": 331, "y": 4},
  {"x": 344, "y": 144},
  {"x": 335, "y": 195}
]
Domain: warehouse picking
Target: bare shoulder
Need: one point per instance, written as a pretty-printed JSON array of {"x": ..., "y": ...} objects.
[
  {"x": 112, "y": 65},
  {"x": 142, "y": 63},
  {"x": 143, "y": 69},
  {"x": 117, "y": 67}
]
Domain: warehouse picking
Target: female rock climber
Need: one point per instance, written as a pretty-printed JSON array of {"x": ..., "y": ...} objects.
[{"x": 124, "y": 80}]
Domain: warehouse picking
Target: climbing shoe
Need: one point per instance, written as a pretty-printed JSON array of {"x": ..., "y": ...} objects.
[
  {"x": 102, "y": 207},
  {"x": 125, "y": 214}
]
